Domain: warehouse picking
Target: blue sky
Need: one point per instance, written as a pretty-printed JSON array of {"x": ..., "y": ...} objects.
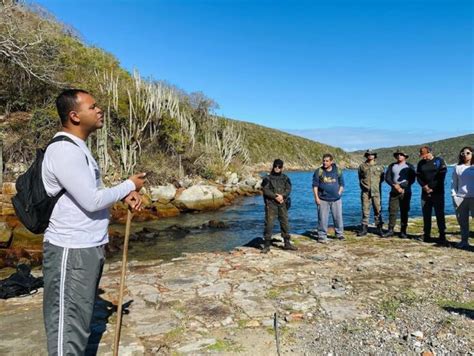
[{"x": 354, "y": 74}]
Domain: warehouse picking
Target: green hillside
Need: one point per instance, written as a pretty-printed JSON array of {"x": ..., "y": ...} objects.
[
  {"x": 265, "y": 144},
  {"x": 448, "y": 149}
]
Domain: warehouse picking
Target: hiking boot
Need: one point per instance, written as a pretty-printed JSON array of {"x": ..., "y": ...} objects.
[
  {"x": 266, "y": 247},
  {"x": 427, "y": 238},
  {"x": 380, "y": 230},
  {"x": 362, "y": 231},
  {"x": 463, "y": 244},
  {"x": 288, "y": 246},
  {"x": 442, "y": 240},
  {"x": 389, "y": 233},
  {"x": 340, "y": 237},
  {"x": 403, "y": 232}
]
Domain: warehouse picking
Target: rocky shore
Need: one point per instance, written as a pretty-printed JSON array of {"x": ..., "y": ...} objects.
[
  {"x": 187, "y": 195},
  {"x": 359, "y": 296}
]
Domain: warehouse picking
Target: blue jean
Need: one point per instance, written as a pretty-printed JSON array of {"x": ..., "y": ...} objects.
[{"x": 335, "y": 207}]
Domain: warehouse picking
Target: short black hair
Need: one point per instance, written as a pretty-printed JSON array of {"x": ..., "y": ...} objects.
[
  {"x": 66, "y": 102},
  {"x": 328, "y": 155}
]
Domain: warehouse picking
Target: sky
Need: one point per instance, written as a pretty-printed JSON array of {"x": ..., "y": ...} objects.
[{"x": 350, "y": 73}]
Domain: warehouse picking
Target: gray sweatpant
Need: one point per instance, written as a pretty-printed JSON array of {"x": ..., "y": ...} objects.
[
  {"x": 335, "y": 208},
  {"x": 71, "y": 277},
  {"x": 463, "y": 211}
]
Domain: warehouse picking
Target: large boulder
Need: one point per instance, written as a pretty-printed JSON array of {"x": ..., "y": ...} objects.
[
  {"x": 199, "y": 197},
  {"x": 163, "y": 193}
]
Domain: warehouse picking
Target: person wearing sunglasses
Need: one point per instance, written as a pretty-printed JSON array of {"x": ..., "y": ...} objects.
[
  {"x": 276, "y": 188},
  {"x": 431, "y": 173},
  {"x": 462, "y": 191}
]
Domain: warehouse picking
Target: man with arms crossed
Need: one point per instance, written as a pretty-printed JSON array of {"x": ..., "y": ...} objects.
[
  {"x": 328, "y": 186},
  {"x": 400, "y": 176},
  {"x": 74, "y": 241}
]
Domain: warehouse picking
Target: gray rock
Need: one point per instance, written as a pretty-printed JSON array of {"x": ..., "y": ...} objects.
[
  {"x": 163, "y": 193},
  {"x": 197, "y": 345}
]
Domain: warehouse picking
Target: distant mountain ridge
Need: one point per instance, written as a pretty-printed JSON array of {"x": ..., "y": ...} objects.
[{"x": 448, "y": 149}]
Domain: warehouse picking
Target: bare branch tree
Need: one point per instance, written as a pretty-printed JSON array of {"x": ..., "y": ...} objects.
[{"x": 28, "y": 44}]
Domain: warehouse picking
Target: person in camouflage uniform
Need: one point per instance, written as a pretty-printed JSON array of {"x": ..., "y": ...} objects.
[
  {"x": 276, "y": 188},
  {"x": 371, "y": 176}
]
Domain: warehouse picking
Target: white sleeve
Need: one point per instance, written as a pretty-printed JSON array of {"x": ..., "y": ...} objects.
[
  {"x": 68, "y": 163},
  {"x": 454, "y": 183}
]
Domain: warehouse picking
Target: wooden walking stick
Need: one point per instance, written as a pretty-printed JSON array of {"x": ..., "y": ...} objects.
[{"x": 122, "y": 282}]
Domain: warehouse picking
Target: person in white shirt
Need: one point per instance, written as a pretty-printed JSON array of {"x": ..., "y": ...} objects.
[
  {"x": 74, "y": 241},
  {"x": 462, "y": 191}
]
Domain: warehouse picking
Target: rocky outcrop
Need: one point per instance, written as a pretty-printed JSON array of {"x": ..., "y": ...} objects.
[{"x": 199, "y": 197}]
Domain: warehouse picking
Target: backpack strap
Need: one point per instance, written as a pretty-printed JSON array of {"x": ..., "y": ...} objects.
[
  {"x": 338, "y": 170},
  {"x": 64, "y": 138}
]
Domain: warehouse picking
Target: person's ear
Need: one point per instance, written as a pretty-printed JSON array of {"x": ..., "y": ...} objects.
[{"x": 74, "y": 118}]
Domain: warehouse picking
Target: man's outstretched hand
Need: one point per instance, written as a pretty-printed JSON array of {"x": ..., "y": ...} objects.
[
  {"x": 134, "y": 201},
  {"x": 138, "y": 180}
]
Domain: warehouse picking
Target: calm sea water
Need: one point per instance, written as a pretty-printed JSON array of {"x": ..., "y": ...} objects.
[{"x": 245, "y": 219}]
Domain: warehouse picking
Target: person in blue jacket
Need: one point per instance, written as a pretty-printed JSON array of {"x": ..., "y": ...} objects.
[{"x": 328, "y": 185}]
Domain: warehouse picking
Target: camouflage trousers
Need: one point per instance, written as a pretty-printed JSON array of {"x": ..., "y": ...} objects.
[
  {"x": 367, "y": 199},
  {"x": 398, "y": 202},
  {"x": 273, "y": 211}
]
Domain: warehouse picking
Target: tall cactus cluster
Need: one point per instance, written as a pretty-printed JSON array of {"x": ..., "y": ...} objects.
[{"x": 149, "y": 103}]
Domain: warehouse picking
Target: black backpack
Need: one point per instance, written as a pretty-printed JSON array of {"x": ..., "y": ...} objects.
[
  {"x": 20, "y": 283},
  {"x": 32, "y": 204}
]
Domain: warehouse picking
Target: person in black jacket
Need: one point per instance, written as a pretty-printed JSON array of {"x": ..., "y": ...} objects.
[
  {"x": 276, "y": 192},
  {"x": 431, "y": 172},
  {"x": 400, "y": 176}
]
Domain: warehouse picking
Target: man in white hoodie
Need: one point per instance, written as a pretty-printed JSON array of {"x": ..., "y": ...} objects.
[
  {"x": 462, "y": 191},
  {"x": 74, "y": 241}
]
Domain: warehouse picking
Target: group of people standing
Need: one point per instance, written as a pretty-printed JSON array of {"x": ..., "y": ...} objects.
[{"x": 328, "y": 187}]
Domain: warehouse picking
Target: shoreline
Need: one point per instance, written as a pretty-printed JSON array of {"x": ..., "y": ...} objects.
[{"x": 361, "y": 295}]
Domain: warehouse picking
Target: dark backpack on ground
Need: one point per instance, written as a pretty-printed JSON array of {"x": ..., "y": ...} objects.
[
  {"x": 20, "y": 283},
  {"x": 32, "y": 204}
]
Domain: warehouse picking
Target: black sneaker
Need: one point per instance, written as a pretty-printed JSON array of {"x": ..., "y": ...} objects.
[
  {"x": 389, "y": 233},
  {"x": 403, "y": 235},
  {"x": 341, "y": 237}
]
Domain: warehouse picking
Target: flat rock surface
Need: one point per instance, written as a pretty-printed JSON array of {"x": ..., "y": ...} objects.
[{"x": 359, "y": 296}]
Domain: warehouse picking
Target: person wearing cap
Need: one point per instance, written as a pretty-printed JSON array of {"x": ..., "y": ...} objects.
[
  {"x": 371, "y": 176},
  {"x": 462, "y": 191},
  {"x": 400, "y": 176},
  {"x": 430, "y": 174},
  {"x": 276, "y": 188}
]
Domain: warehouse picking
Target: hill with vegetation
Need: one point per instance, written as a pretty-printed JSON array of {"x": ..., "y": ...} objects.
[
  {"x": 265, "y": 144},
  {"x": 150, "y": 125},
  {"x": 448, "y": 149}
]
